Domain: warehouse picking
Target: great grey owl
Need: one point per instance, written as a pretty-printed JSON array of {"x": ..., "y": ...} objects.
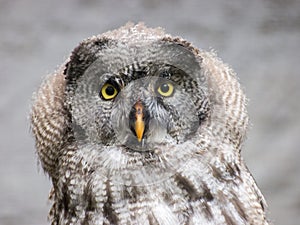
[{"x": 139, "y": 127}]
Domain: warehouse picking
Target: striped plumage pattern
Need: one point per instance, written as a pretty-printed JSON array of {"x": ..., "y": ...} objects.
[{"x": 200, "y": 179}]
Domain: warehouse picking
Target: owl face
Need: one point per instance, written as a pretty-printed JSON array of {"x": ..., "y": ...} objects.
[{"x": 140, "y": 101}]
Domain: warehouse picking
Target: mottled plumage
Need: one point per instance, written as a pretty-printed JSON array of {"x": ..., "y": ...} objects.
[{"x": 139, "y": 127}]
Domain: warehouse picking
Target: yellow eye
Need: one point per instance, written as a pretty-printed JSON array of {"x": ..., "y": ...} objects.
[
  {"x": 108, "y": 91},
  {"x": 165, "y": 89}
]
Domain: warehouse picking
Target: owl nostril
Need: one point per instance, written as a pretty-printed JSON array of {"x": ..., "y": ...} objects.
[{"x": 139, "y": 120}]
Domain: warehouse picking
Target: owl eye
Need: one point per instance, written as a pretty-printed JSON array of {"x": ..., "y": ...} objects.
[
  {"x": 108, "y": 91},
  {"x": 165, "y": 89}
]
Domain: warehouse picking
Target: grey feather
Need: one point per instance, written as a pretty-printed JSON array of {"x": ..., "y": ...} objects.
[{"x": 186, "y": 170}]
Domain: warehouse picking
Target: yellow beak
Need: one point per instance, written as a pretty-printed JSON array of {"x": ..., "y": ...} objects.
[{"x": 139, "y": 125}]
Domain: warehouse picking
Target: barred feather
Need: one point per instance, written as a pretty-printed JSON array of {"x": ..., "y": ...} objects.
[{"x": 195, "y": 175}]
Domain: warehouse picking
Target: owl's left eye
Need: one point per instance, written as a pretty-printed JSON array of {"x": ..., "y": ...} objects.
[
  {"x": 108, "y": 91},
  {"x": 165, "y": 89}
]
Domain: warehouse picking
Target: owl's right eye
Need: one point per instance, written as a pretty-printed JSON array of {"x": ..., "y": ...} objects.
[{"x": 108, "y": 91}]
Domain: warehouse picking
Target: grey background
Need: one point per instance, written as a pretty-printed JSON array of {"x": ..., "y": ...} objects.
[{"x": 260, "y": 39}]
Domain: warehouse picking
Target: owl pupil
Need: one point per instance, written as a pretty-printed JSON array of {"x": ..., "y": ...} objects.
[
  {"x": 164, "y": 88},
  {"x": 109, "y": 90}
]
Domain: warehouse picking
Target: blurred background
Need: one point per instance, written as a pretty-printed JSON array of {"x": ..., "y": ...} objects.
[{"x": 260, "y": 39}]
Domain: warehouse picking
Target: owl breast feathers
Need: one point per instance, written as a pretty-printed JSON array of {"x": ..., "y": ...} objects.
[{"x": 139, "y": 127}]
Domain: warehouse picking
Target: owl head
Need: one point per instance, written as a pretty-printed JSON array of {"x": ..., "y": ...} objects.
[{"x": 136, "y": 96}]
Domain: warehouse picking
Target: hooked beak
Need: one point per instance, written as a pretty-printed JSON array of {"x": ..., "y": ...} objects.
[{"x": 138, "y": 120}]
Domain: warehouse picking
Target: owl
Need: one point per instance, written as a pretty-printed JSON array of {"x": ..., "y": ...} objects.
[{"x": 139, "y": 127}]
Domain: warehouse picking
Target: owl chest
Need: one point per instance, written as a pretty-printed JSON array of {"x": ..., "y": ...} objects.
[{"x": 101, "y": 201}]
